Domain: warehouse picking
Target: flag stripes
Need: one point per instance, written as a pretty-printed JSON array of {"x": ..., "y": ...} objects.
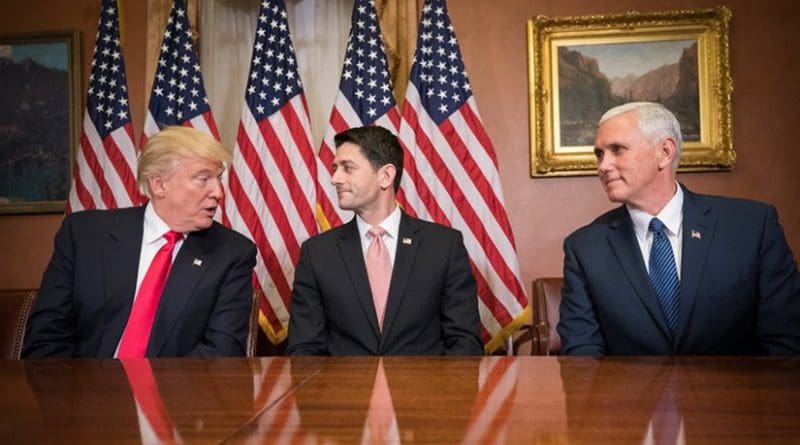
[
  {"x": 272, "y": 182},
  {"x": 105, "y": 163},
  {"x": 453, "y": 171}
]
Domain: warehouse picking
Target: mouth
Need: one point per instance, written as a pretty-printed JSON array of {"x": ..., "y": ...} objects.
[{"x": 210, "y": 211}]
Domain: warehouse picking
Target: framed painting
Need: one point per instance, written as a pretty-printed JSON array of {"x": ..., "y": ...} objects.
[
  {"x": 579, "y": 67},
  {"x": 39, "y": 115}
]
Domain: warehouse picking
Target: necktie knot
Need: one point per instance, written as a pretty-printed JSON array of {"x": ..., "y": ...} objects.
[
  {"x": 376, "y": 232},
  {"x": 173, "y": 237},
  {"x": 656, "y": 226}
]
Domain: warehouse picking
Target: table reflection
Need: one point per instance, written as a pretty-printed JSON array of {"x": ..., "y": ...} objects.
[
  {"x": 436, "y": 400},
  {"x": 146, "y": 401},
  {"x": 676, "y": 400},
  {"x": 373, "y": 401}
]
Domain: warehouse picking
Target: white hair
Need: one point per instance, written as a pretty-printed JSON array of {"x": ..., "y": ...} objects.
[{"x": 654, "y": 121}]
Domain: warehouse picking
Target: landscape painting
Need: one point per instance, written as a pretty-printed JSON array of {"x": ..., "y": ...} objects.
[
  {"x": 594, "y": 78},
  {"x": 579, "y": 67},
  {"x": 38, "y": 108}
]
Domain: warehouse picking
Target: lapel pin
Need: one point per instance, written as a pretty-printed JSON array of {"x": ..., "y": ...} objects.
[
  {"x": 407, "y": 241},
  {"x": 197, "y": 262},
  {"x": 696, "y": 235}
]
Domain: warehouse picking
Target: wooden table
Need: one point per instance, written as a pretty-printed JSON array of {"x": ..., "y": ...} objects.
[{"x": 402, "y": 400}]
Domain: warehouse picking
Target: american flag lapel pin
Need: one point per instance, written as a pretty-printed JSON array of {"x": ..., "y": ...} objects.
[
  {"x": 197, "y": 262},
  {"x": 407, "y": 241},
  {"x": 696, "y": 235}
]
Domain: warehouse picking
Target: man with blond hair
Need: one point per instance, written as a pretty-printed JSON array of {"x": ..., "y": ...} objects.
[
  {"x": 163, "y": 279},
  {"x": 672, "y": 272}
]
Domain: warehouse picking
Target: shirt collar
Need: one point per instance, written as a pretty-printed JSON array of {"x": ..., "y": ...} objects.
[
  {"x": 154, "y": 226},
  {"x": 671, "y": 215},
  {"x": 391, "y": 224}
]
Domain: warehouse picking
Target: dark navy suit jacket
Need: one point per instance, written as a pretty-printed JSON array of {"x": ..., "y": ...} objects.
[
  {"x": 432, "y": 307},
  {"x": 739, "y": 289},
  {"x": 87, "y": 290}
]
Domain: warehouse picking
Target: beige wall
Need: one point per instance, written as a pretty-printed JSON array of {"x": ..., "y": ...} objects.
[{"x": 766, "y": 121}]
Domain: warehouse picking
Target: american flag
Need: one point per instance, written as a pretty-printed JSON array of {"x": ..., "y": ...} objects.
[
  {"x": 364, "y": 98},
  {"x": 178, "y": 96},
  {"x": 272, "y": 180},
  {"x": 497, "y": 380},
  {"x": 452, "y": 168},
  {"x": 104, "y": 175}
]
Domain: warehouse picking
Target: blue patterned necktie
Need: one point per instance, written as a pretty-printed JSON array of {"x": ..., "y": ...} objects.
[{"x": 663, "y": 275}]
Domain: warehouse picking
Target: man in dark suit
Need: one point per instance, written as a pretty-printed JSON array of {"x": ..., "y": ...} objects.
[
  {"x": 342, "y": 304},
  {"x": 92, "y": 300},
  {"x": 712, "y": 276}
]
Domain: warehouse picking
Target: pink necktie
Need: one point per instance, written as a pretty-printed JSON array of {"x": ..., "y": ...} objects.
[
  {"x": 379, "y": 271},
  {"x": 381, "y": 414},
  {"x": 140, "y": 322}
]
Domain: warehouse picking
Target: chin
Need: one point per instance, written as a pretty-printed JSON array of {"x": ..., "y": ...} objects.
[{"x": 204, "y": 224}]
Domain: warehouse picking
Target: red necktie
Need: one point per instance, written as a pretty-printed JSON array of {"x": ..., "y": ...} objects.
[
  {"x": 145, "y": 391},
  {"x": 379, "y": 271},
  {"x": 140, "y": 322}
]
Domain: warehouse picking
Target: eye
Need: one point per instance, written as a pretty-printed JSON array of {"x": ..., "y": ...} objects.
[
  {"x": 202, "y": 180},
  {"x": 598, "y": 154}
]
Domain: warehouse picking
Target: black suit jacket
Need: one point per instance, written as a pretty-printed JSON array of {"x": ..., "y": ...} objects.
[
  {"x": 739, "y": 289},
  {"x": 432, "y": 307},
  {"x": 87, "y": 291}
]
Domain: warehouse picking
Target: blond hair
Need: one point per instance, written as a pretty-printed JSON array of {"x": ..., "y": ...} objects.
[{"x": 163, "y": 153}]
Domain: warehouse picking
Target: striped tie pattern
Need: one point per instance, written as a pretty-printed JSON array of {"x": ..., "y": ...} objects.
[{"x": 663, "y": 275}]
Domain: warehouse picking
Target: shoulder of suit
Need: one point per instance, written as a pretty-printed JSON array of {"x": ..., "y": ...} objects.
[
  {"x": 432, "y": 227},
  {"x": 96, "y": 219},
  {"x": 737, "y": 208},
  {"x": 601, "y": 223},
  {"x": 229, "y": 235}
]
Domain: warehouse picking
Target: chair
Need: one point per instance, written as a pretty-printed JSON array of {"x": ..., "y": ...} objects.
[
  {"x": 253, "y": 328},
  {"x": 15, "y": 307},
  {"x": 541, "y": 333}
]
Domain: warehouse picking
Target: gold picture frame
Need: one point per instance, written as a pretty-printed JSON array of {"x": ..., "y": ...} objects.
[
  {"x": 570, "y": 89},
  {"x": 39, "y": 120}
]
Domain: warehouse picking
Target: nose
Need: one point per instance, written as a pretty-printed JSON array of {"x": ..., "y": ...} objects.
[
  {"x": 336, "y": 177},
  {"x": 217, "y": 189},
  {"x": 604, "y": 164}
]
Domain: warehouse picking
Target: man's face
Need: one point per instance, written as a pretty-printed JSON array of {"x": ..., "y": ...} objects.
[
  {"x": 357, "y": 183},
  {"x": 627, "y": 163},
  {"x": 188, "y": 199}
]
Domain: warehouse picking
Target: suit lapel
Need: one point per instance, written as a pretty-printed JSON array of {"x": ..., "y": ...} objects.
[
  {"x": 120, "y": 267},
  {"x": 353, "y": 259},
  {"x": 623, "y": 242},
  {"x": 408, "y": 241},
  {"x": 194, "y": 259},
  {"x": 698, "y": 232}
]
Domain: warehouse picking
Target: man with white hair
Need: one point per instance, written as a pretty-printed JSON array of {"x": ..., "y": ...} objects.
[{"x": 672, "y": 272}]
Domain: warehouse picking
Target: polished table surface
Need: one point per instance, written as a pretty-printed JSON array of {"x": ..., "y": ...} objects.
[{"x": 637, "y": 400}]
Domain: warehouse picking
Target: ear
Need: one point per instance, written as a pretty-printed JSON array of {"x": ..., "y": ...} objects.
[
  {"x": 386, "y": 176},
  {"x": 157, "y": 188},
  {"x": 667, "y": 151}
]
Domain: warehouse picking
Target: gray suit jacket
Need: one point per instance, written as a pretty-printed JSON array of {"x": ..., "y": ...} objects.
[{"x": 87, "y": 291}]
